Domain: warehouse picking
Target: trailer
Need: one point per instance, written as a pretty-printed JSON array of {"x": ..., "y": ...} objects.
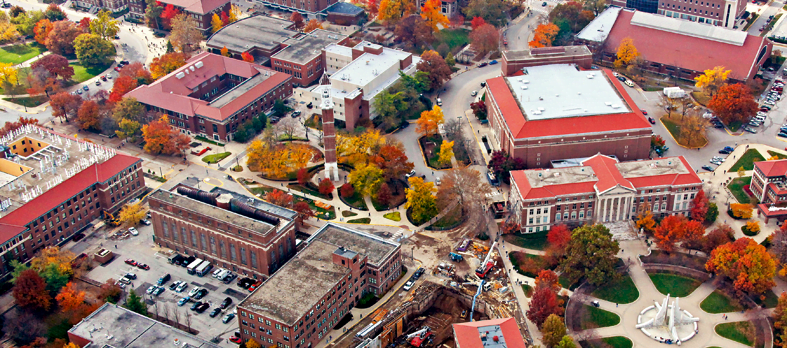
[
  {"x": 192, "y": 267},
  {"x": 203, "y": 268}
]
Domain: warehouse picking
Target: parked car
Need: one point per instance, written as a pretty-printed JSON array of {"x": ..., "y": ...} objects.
[
  {"x": 201, "y": 308},
  {"x": 194, "y": 291},
  {"x": 124, "y": 280},
  {"x": 130, "y": 275},
  {"x": 143, "y": 266},
  {"x": 200, "y": 294},
  {"x": 195, "y": 305},
  {"x": 215, "y": 312},
  {"x": 473, "y": 93},
  {"x": 226, "y": 303},
  {"x": 726, "y": 150},
  {"x": 407, "y": 286},
  {"x": 483, "y": 64},
  {"x": 183, "y": 301},
  {"x": 750, "y": 130},
  {"x": 145, "y": 222},
  {"x": 708, "y": 168},
  {"x": 629, "y": 83},
  {"x": 151, "y": 289},
  {"x": 410, "y": 174},
  {"x": 236, "y": 339},
  {"x": 782, "y": 134},
  {"x": 181, "y": 287},
  {"x": 85, "y": 88},
  {"x": 158, "y": 291},
  {"x": 227, "y": 318},
  {"x": 651, "y": 120},
  {"x": 296, "y": 114},
  {"x": 133, "y": 231},
  {"x": 644, "y": 112},
  {"x": 131, "y": 262},
  {"x": 493, "y": 62},
  {"x": 174, "y": 285},
  {"x": 165, "y": 278}
]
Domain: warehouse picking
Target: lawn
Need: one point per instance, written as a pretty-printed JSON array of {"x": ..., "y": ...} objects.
[
  {"x": 622, "y": 291},
  {"x": 82, "y": 73},
  {"x": 322, "y": 213},
  {"x": 738, "y": 331},
  {"x": 675, "y": 285},
  {"x": 454, "y": 38},
  {"x": 779, "y": 155},
  {"x": 771, "y": 300},
  {"x": 21, "y": 87},
  {"x": 347, "y": 213},
  {"x": 20, "y": 53},
  {"x": 674, "y": 128},
  {"x": 599, "y": 318},
  {"x": 736, "y": 187},
  {"x": 537, "y": 241},
  {"x": 365, "y": 220},
  {"x": 29, "y": 101},
  {"x": 747, "y": 160},
  {"x": 718, "y": 302},
  {"x": 356, "y": 201},
  {"x": 701, "y": 98},
  {"x": 310, "y": 189},
  {"x": 394, "y": 216},
  {"x": 216, "y": 157},
  {"x": 618, "y": 342},
  {"x": 528, "y": 290}
]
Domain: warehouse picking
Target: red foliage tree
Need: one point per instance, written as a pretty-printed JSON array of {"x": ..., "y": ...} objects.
[
  {"x": 279, "y": 198},
  {"x": 699, "y": 206},
  {"x": 693, "y": 231},
  {"x": 543, "y": 304},
  {"x": 733, "y": 103},
  {"x": 457, "y": 21},
  {"x": 393, "y": 161},
  {"x": 61, "y": 39},
  {"x": 558, "y": 238},
  {"x": 10, "y": 126},
  {"x": 247, "y": 57},
  {"x": 56, "y": 65},
  {"x": 477, "y": 22},
  {"x": 138, "y": 72},
  {"x": 303, "y": 176},
  {"x": 484, "y": 38},
  {"x": 170, "y": 12},
  {"x": 84, "y": 24},
  {"x": 347, "y": 190},
  {"x": 384, "y": 194},
  {"x": 720, "y": 235},
  {"x": 64, "y": 104},
  {"x": 304, "y": 209},
  {"x": 123, "y": 85},
  {"x": 669, "y": 232},
  {"x": 88, "y": 117},
  {"x": 326, "y": 186},
  {"x": 30, "y": 291},
  {"x": 548, "y": 279},
  {"x": 297, "y": 19}
]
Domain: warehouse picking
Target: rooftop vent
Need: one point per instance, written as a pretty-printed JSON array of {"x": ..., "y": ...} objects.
[
  {"x": 198, "y": 64},
  {"x": 524, "y": 87},
  {"x": 180, "y": 75},
  {"x": 191, "y": 68},
  {"x": 615, "y": 106},
  {"x": 607, "y": 103}
]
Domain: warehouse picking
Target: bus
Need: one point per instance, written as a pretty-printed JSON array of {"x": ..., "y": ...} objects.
[
  {"x": 203, "y": 268},
  {"x": 192, "y": 267}
]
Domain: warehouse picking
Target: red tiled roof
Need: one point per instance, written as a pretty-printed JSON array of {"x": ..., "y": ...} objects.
[
  {"x": 764, "y": 209},
  {"x": 171, "y": 93},
  {"x": 522, "y": 128},
  {"x": 668, "y": 179},
  {"x": 467, "y": 335},
  {"x": 197, "y": 6},
  {"x": 607, "y": 173},
  {"x": 772, "y": 168},
  {"x": 65, "y": 190},
  {"x": 684, "y": 51}
]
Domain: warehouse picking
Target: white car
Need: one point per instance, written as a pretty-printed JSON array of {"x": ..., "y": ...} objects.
[
  {"x": 194, "y": 291},
  {"x": 629, "y": 83},
  {"x": 133, "y": 231},
  {"x": 408, "y": 285},
  {"x": 474, "y": 94}
]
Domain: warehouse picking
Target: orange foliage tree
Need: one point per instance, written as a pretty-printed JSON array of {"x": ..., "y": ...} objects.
[
  {"x": 161, "y": 66},
  {"x": 123, "y": 85},
  {"x": 544, "y": 35},
  {"x": 431, "y": 13},
  {"x": 477, "y": 22},
  {"x": 64, "y": 104},
  {"x": 247, "y": 57},
  {"x": 160, "y": 138},
  {"x": 88, "y": 116},
  {"x": 733, "y": 103},
  {"x": 669, "y": 232},
  {"x": 312, "y": 25},
  {"x": 548, "y": 279},
  {"x": 42, "y": 30},
  {"x": 70, "y": 299},
  {"x": 279, "y": 198},
  {"x": 558, "y": 238},
  {"x": 746, "y": 263}
]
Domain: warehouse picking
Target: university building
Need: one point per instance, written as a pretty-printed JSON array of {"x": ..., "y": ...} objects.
[
  {"x": 298, "y": 305},
  {"x": 722, "y": 13},
  {"x": 53, "y": 186},
  {"x": 201, "y": 10},
  {"x": 769, "y": 188}
]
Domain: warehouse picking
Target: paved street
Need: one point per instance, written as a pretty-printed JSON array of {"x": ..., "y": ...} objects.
[{"x": 771, "y": 8}]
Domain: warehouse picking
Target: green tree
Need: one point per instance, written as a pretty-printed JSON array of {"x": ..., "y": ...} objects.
[
  {"x": 55, "y": 278},
  {"x": 591, "y": 254},
  {"x": 18, "y": 268},
  {"x": 389, "y": 106},
  {"x": 135, "y": 303},
  {"x": 280, "y": 109},
  {"x": 366, "y": 179},
  {"x": 130, "y": 109},
  {"x": 421, "y": 199},
  {"x": 712, "y": 214},
  {"x": 104, "y": 25},
  {"x": 153, "y": 13},
  {"x": 566, "y": 341},
  {"x": 554, "y": 330},
  {"x": 92, "y": 50}
]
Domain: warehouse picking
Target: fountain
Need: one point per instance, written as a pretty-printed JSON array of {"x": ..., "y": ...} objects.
[{"x": 667, "y": 323}]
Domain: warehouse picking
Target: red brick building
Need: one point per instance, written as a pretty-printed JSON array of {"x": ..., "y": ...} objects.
[
  {"x": 298, "y": 305},
  {"x": 52, "y": 186},
  {"x": 212, "y": 95},
  {"x": 552, "y": 112},
  {"x": 601, "y": 189},
  {"x": 769, "y": 188},
  {"x": 235, "y": 232},
  {"x": 514, "y": 61},
  {"x": 201, "y": 10},
  {"x": 723, "y": 13}
]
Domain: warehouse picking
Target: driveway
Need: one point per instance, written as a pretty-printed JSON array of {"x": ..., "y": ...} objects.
[{"x": 772, "y": 8}]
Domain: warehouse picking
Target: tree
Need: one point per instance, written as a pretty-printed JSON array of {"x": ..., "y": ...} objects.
[
  {"x": 415, "y": 30},
  {"x": 70, "y": 298},
  {"x": 312, "y": 25},
  {"x": 554, "y": 330},
  {"x": 436, "y": 68},
  {"x": 430, "y": 120},
  {"x": 548, "y": 279},
  {"x": 56, "y": 65},
  {"x": 123, "y": 85},
  {"x": 501, "y": 164},
  {"x": 558, "y": 238},
  {"x": 277, "y": 160},
  {"x": 137, "y": 72},
  {"x": 571, "y": 15},
  {"x": 169, "y": 62},
  {"x": 465, "y": 188},
  {"x": 92, "y": 50},
  {"x": 160, "y": 138},
  {"x": 693, "y": 231},
  {"x": 252, "y": 344},
  {"x": 431, "y": 12},
  {"x": 54, "y": 13},
  {"x": 87, "y": 116},
  {"x": 61, "y": 39},
  {"x": 366, "y": 179},
  {"x": 168, "y": 14},
  {"x": 721, "y": 235},
  {"x": 247, "y": 57},
  {"x": 479, "y": 110},
  {"x": 135, "y": 303},
  {"x": 544, "y": 35},
  {"x": 297, "y": 19},
  {"x": 278, "y": 197},
  {"x": 693, "y": 130},
  {"x": 477, "y": 22},
  {"x": 104, "y": 25},
  {"x": 225, "y": 52},
  {"x": 110, "y": 291},
  {"x": 325, "y": 187},
  {"x": 84, "y": 24},
  {"x": 567, "y": 341},
  {"x": 484, "y": 39},
  {"x": 591, "y": 254},
  {"x": 712, "y": 80},
  {"x": 128, "y": 128},
  {"x": 384, "y": 194},
  {"x": 421, "y": 199},
  {"x": 392, "y": 160},
  {"x": 64, "y": 104},
  {"x": 16, "y": 11},
  {"x": 153, "y": 10},
  {"x": 543, "y": 304},
  {"x": 446, "y": 152},
  {"x": 645, "y": 221},
  {"x": 303, "y": 176},
  {"x": 132, "y": 214},
  {"x": 30, "y": 291},
  {"x": 753, "y": 226},
  {"x": 626, "y": 53},
  {"x": 391, "y": 11},
  {"x": 741, "y": 211},
  {"x": 699, "y": 206},
  {"x": 216, "y": 23},
  {"x": 128, "y": 108},
  {"x": 733, "y": 103},
  {"x": 303, "y": 209},
  {"x": 746, "y": 263},
  {"x": 42, "y": 30},
  {"x": 184, "y": 34},
  {"x": 669, "y": 232},
  {"x": 346, "y": 190},
  {"x": 494, "y": 12},
  {"x": 780, "y": 322},
  {"x": 235, "y": 13},
  {"x": 8, "y": 31},
  {"x": 712, "y": 214}
]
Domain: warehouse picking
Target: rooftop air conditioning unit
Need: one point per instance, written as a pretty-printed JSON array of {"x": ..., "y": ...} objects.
[
  {"x": 180, "y": 75},
  {"x": 192, "y": 68},
  {"x": 198, "y": 64}
]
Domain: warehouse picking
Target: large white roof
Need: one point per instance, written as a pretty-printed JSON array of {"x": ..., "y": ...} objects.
[
  {"x": 365, "y": 68},
  {"x": 598, "y": 29},
  {"x": 689, "y": 28},
  {"x": 560, "y": 90}
]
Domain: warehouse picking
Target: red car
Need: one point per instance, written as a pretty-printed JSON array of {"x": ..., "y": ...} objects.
[
  {"x": 651, "y": 120},
  {"x": 131, "y": 262},
  {"x": 255, "y": 286},
  {"x": 143, "y": 266},
  {"x": 117, "y": 68},
  {"x": 236, "y": 339},
  {"x": 644, "y": 112}
]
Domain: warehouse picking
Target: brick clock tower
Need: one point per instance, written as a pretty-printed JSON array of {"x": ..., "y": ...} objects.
[{"x": 329, "y": 132}]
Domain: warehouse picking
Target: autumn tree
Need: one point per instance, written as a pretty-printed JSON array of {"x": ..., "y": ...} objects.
[
  {"x": 61, "y": 39},
  {"x": 132, "y": 214},
  {"x": 87, "y": 116},
  {"x": 465, "y": 188},
  {"x": 699, "y": 206},
  {"x": 138, "y": 72},
  {"x": 548, "y": 279},
  {"x": 235, "y": 13},
  {"x": 437, "y": 69},
  {"x": 778, "y": 248},
  {"x": 122, "y": 85},
  {"x": 477, "y": 22},
  {"x": 414, "y": 30},
  {"x": 446, "y": 153},
  {"x": 8, "y": 31},
  {"x": 543, "y": 304},
  {"x": 169, "y": 62},
  {"x": 733, "y": 103},
  {"x": 780, "y": 322},
  {"x": 430, "y": 120},
  {"x": 216, "y": 23},
  {"x": 325, "y": 187},
  {"x": 558, "y": 237},
  {"x": 70, "y": 298},
  {"x": 42, "y": 30},
  {"x": 346, "y": 190},
  {"x": 30, "y": 291},
  {"x": 501, "y": 164},
  {"x": 712, "y": 80},
  {"x": 544, "y": 35},
  {"x": 184, "y": 34},
  {"x": 421, "y": 199},
  {"x": 393, "y": 161},
  {"x": 104, "y": 25},
  {"x": 626, "y": 54},
  {"x": 128, "y": 108},
  {"x": 669, "y": 232},
  {"x": 297, "y": 20},
  {"x": 312, "y": 25},
  {"x": 741, "y": 211},
  {"x": 391, "y": 11},
  {"x": 645, "y": 221},
  {"x": 65, "y": 104},
  {"x": 431, "y": 12},
  {"x": 746, "y": 263},
  {"x": 366, "y": 179},
  {"x": 553, "y": 330},
  {"x": 251, "y": 343},
  {"x": 225, "y": 52},
  {"x": 692, "y": 131},
  {"x": 92, "y": 50},
  {"x": 110, "y": 291},
  {"x": 567, "y": 341},
  {"x": 484, "y": 39},
  {"x": 384, "y": 194},
  {"x": 54, "y": 13},
  {"x": 279, "y": 197},
  {"x": 247, "y": 57},
  {"x": 493, "y": 12},
  {"x": 56, "y": 65},
  {"x": 128, "y": 129},
  {"x": 277, "y": 160},
  {"x": 591, "y": 254},
  {"x": 160, "y": 138}
]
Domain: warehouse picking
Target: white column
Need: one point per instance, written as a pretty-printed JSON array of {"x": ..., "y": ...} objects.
[
  {"x": 628, "y": 207},
  {"x": 603, "y": 204}
]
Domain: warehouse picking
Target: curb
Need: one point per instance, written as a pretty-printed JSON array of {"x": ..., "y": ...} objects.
[{"x": 676, "y": 141}]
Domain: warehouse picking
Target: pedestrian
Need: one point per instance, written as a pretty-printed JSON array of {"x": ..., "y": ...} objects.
[
  {"x": 116, "y": 246},
  {"x": 616, "y": 305}
]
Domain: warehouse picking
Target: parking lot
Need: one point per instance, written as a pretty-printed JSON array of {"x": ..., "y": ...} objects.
[{"x": 142, "y": 249}]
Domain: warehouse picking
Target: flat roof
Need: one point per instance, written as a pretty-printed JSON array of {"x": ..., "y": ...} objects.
[
  {"x": 298, "y": 285},
  {"x": 689, "y": 28},
  {"x": 256, "y": 31},
  {"x": 244, "y": 87},
  {"x": 549, "y": 177},
  {"x": 376, "y": 249},
  {"x": 537, "y": 53},
  {"x": 661, "y": 166},
  {"x": 560, "y": 90},
  {"x": 598, "y": 29},
  {"x": 303, "y": 48},
  {"x": 114, "y": 326},
  {"x": 339, "y": 49},
  {"x": 362, "y": 70},
  {"x": 258, "y": 203},
  {"x": 344, "y": 8}
]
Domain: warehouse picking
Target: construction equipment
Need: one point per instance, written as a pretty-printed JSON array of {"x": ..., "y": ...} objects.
[
  {"x": 472, "y": 307},
  {"x": 456, "y": 257},
  {"x": 416, "y": 339},
  {"x": 487, "y": 264}
]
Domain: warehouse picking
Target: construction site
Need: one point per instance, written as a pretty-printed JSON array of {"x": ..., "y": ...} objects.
[{"x": 466, "y": 286}]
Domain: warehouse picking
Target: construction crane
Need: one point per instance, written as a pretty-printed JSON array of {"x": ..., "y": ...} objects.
[
  {"x": 487, "y": 264},
  {"x": 472, "y": 307},
  {"x": 416, "y": 339}
]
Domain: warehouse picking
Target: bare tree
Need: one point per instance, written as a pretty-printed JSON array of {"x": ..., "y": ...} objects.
[
  {"x": 176, "y": 316},
  {"x": 188, "y": 321},
  {"x": 465, "y": 187},
  {"x": 287, "y": 126}
]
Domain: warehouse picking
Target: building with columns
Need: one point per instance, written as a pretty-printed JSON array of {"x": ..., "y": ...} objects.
[{"x": 601, "y": 189}]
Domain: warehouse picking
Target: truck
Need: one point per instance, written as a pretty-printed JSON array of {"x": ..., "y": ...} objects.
[
  {"x": 456, "y": 257},
  {"x": 192, "y": 267},
  {"x": 487, "y": 264},
  {"x": 674, "y": 92},
  {"x": 203, "y": 268}
]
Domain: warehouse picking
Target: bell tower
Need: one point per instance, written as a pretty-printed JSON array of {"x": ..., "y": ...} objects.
[{"x": 328, "y": 130}]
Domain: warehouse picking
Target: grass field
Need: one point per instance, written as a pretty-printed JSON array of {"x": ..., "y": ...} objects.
[
  {"x": 747, "y": 160},
  {"x": 347, "y": 213},
  {"x": 537, "y": 241},
  {"x": 20, "y": 53},
  {"x": 675, "y": 285},
  {"x": 779, "y": 155},
  {"x": 736, "y": 187},
  {"x": 674, "y": 128},
  {"x": 701, "y": 98},
  {"x": 771, "y": 299},
  {"x": 738, "y": 331},
  {"x": 599, "y": 318},
  {"x": 618, "y": 342},
  {"x": 82, "y": 73},
  {"x": 356, "y": 201},
  {"x": 365, "y": 220},
  {"x": 29, "y": 101},
  {"x": 454, "y": 38},
  {"x": 216, "y": 157},
  {"x": 622, "y": 291},
  {"x": 394, "y": 216},
  {"x": 717, "y": 302}
]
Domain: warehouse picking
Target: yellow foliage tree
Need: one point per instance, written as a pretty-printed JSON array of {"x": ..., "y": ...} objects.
[
  {"x": 430, "y": 121},
  {"x": 645, "y": 221},
  {"x": 357, "y": 147},
  {"x": 753, "y": 226},
  {"x": 741, "y": 211},
  {"x": 216, "y": 22},
  {"x": 432, "y": 14},
  {"x": 391, "y": 11},
  {"x": 366, "y": 179},
  {"x": 627, "y": 53},
  {"x": 235, "y": 13},
  {"x": 421, "y": 199},
  {"x": 9, "y": 74},
  {"x": 53, "y": 255},
  {"x": 8, "y": 32},
  {"x": 277, "y": 161},
  {"x": 132, "y": 214},
  {"x": 712, "y": 79},
  {"x": 252, "y": 344},
  {"x": 773, "y": 158},
  {"x": 446, "y": 152}
]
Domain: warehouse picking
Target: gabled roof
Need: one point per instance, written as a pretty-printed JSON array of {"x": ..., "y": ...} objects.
[
  {"x": 197, "y": 6},
  {"x": 607, "y": 173},
  {"x": 772, "y": 168},
  {"x": 468, "y": 335}
]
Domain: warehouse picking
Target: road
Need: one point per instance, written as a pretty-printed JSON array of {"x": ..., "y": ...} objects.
[{"x": 771, "y": 9}]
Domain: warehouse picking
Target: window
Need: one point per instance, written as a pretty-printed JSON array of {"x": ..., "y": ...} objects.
[
  {"x": 557, "y": 217},
  {"x": 233, "y": 256},
  {"x": 243, "y": 255}
]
